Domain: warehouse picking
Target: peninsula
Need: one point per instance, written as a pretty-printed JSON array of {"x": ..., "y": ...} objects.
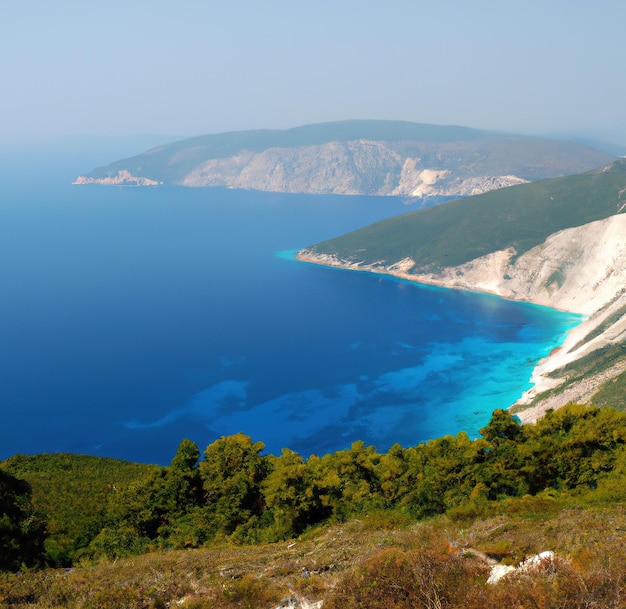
[{"x": 559, "y": 243}]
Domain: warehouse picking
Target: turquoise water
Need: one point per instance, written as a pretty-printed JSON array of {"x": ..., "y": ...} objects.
[{"x": 132, "y": 318}]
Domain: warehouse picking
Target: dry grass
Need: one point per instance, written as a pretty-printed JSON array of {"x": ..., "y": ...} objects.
[
  {"x": 360, "y": 564},
  {"x": 228, "y": 576}
]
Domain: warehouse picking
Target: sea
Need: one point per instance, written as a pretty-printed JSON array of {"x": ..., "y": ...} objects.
[{"x": 131, "y": 318}]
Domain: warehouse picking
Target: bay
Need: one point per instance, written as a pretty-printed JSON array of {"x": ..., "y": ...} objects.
[{"x": 131, "y": 318}]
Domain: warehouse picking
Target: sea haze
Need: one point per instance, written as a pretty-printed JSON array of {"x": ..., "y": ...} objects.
[{"x": 132, "y": 318}]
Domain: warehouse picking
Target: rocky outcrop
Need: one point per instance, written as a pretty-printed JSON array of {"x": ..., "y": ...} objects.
[
  {"x": 581, "y": 270},
  {"x": 531, "y": 566},
  {"x": 123, "y": 178},
  {"x": 415, "y": 181},
  {"x": 349, "y": 168}
]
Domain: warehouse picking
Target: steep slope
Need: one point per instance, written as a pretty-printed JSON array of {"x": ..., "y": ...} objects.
[
  {"x": 370, "y": 562},
  {"x": 355, "y": 157},
  {"x": 559, "y": 243}
]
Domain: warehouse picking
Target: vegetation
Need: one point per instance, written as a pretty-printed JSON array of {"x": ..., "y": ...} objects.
[
  {"x": 613, "y": 393},
  {"x": 21, "y": 528},
  {"x": 173, "y": 161},
  {"x": 532, "y": 158},
  {"x": 73, "y": 492},
  {"x": 374, "y": 561},
  {"x": 106, "y": 508},
  {"x": 518, "y": 217},
  {"x": 592, "y": 364},
  {"x": 604, "y": 362},
  {"x": 601, "y": 328}
]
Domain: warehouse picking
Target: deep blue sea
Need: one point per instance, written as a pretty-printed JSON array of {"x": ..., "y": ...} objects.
[{"x": 131, "y": 318}]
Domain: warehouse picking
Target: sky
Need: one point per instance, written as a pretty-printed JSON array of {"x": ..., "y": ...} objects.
[{"x": 128, "y": 67}]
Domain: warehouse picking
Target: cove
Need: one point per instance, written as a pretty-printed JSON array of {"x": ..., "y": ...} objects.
[{"x": 132, "y": 318}]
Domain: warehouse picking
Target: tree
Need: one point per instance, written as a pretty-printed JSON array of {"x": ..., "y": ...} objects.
[
  {"x": 578, "y": 445},
  {"x": 186, "y": 457},
  {"x": 22, "y": 532},
  {"x": 153, "y": 508},
  {"x": 502, "y": 471},
  {"x": 292, "y": 496},
  {"x": 502, "y": 427},
  {"x": 183, "y": 481},
  {"x": 232, "y": 472}
]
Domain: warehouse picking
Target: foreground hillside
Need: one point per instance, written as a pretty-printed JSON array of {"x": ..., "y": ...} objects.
[
  {"x": 524, "y": 516},
  {"x": 71, "y": 492},
  {"x": 559, "y": 243},
  {"x": 355, "y": 157},
  {"x": 374, "y": 562}
]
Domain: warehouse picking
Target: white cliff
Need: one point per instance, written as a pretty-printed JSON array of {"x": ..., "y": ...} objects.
[{"x": 354, "y": 167}]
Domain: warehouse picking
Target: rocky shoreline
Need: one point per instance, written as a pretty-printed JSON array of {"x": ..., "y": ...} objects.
[{"x": 123, "y": 178}]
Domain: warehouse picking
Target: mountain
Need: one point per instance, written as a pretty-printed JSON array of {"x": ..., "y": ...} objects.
[
  {"x": 559, "y": 243},
  {"x": 355, "y": 157}
]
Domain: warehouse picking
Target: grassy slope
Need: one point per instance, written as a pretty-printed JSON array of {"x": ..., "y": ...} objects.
[
  {"x": 72, "y": 489},
  {"x": 373, "y": 562},
  {"x": 457, "y": 232},
  {"x": 612, "y": 393}
]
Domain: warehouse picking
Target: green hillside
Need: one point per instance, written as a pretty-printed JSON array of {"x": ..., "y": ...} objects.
[
  {"x": 457, "y": 232},
  {"x": 103, "y": 507},
  {"x": 72, "y": 491},
  {"x": 528, "y": 157},
  {"x": 369, "y": 563},
  {"x": 172, "y": 161},
  {"x": 356, "y": 528}
]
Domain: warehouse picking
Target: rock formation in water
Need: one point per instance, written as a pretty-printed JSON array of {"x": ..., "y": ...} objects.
[{"x": 122, "y": 178}]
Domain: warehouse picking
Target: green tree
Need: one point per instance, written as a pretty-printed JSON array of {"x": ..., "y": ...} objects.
[
  {"x": 348, "y": 480},
  {"x": 501, "y": 470},
  {"x": 186, "y": 457},
  {"x": 503, "y": 427},
  {"x": 153, "y": 508},
  {"x": 22, "y": 532},
  {"x": 576, "y": 446},
  {"x": 293, "y": 496},
  {"x": 438, "y": 475},
  {"x": 182, "y": 480},
  {"x": 232, "y": 472}
]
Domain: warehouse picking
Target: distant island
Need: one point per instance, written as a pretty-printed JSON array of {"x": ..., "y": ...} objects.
[{"x": 359, "y": 157}]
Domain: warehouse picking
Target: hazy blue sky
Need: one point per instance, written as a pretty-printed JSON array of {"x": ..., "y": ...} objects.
[{"x": 190, "y": 67}]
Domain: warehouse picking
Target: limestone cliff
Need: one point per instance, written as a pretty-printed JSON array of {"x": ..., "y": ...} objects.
[
  {"x": 349, "y": 168},
  {"x": 358, "y": 157}
]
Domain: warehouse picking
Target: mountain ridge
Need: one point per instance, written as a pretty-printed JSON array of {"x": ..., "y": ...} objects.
[{"x": 387, "y": 158}]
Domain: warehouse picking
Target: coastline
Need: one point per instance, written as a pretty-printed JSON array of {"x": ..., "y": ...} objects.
[
  {"x": 539, "y": 381},
  {"x": 423, "y": 280}
]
